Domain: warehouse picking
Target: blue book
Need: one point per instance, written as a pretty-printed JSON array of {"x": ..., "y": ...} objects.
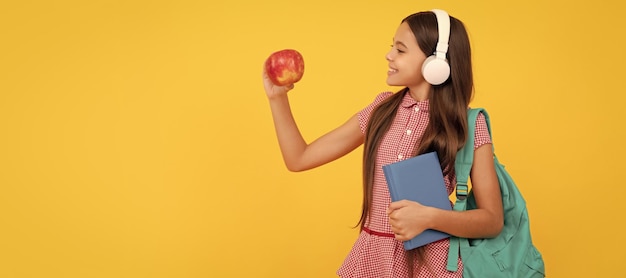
[{"x": 419, "y": 179}]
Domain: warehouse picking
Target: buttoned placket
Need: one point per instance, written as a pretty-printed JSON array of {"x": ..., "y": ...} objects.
[{"x": 408, "y": 133}]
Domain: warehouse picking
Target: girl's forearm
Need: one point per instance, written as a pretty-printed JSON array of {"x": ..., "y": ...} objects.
[
  {"x": 292, "y": 144},
  {"x": 477, "y": 223}
]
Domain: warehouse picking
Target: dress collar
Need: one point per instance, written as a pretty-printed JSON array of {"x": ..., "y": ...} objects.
[{"x": 409, "y": 102}]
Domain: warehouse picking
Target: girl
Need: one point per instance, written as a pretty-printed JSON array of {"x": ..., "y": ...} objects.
[{"x": 420, "y": 118}]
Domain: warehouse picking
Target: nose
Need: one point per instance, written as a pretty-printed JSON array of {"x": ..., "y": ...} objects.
[{"x": 388, "y": 56}]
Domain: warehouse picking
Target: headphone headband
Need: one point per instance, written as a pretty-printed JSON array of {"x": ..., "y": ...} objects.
[
  {"x": 435, "y": 68},
  {"x": 443, "y": 23}
]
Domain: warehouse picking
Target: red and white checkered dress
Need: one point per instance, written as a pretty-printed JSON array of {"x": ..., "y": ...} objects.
[{"x": 376, "y": 253}]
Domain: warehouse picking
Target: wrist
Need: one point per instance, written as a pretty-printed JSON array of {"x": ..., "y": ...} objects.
[
  {"x": 278, "y": 97},
  {"x": 433, "y": 217}
]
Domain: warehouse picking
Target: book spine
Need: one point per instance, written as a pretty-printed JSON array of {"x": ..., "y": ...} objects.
[{"x": 392, "y": 189}]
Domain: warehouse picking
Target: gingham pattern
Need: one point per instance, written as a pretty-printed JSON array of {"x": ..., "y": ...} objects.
[{"x": 374, "y": 256}]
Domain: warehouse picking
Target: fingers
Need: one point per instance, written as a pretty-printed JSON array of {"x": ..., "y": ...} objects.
[
  {"x": 396, "y": 230},
  {"x": 401, "y": 237},
  {"x": 400, "y": 230},
  {"x": 399, "y": 233},
  {"x": 397, "y": 205},
  {"x": 271, "y": 86},
  {"x": 396, "y": 226},
  {"x": 400, "y": 224}
]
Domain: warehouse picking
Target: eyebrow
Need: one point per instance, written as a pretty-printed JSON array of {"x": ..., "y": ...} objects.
[{"x": 400, "y": 43}]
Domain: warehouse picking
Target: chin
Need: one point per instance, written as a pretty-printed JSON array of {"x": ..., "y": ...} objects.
[
  {"x": 392, "y": 83},
  {"x": 395, "y": 84}
]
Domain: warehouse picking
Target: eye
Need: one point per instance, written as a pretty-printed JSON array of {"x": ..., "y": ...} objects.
[{"x": 397, "y": 49}]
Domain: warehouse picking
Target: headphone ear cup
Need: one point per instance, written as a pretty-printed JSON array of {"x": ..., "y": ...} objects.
[{"x": 435, "y": 70}]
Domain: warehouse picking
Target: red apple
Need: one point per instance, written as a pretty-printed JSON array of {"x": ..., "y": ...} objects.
[{"x": 285, "y": 67}]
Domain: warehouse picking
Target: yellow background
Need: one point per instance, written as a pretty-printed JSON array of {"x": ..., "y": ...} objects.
[{"x": 136, "y": 139}]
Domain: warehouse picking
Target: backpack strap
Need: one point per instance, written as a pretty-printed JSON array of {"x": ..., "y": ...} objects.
[
  {"x": 465, "y": 157},
  {"x": 462, "y": 168}
]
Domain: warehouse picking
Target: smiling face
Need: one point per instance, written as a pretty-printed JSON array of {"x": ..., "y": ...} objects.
[{"x": 405, "y": 61}]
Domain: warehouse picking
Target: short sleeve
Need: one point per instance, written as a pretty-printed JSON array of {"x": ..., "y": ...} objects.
[
  {"x": 364, "y": 115},
  {"x": 481, "y": 133}
]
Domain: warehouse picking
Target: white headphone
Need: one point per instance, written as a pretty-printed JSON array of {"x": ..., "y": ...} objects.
[{"x": 436, "y": 69}]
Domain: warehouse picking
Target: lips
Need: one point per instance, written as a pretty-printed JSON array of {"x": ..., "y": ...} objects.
[{"x": 391, "y": 70}]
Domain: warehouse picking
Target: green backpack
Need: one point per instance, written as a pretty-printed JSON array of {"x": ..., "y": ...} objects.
[{"x": 511, "y": 253}]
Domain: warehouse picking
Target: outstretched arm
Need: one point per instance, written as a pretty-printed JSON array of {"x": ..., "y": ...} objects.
[{"x": 297, "y": 154}]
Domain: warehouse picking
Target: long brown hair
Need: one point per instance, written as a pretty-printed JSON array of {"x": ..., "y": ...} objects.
[{"x": 447, "y": 127}]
